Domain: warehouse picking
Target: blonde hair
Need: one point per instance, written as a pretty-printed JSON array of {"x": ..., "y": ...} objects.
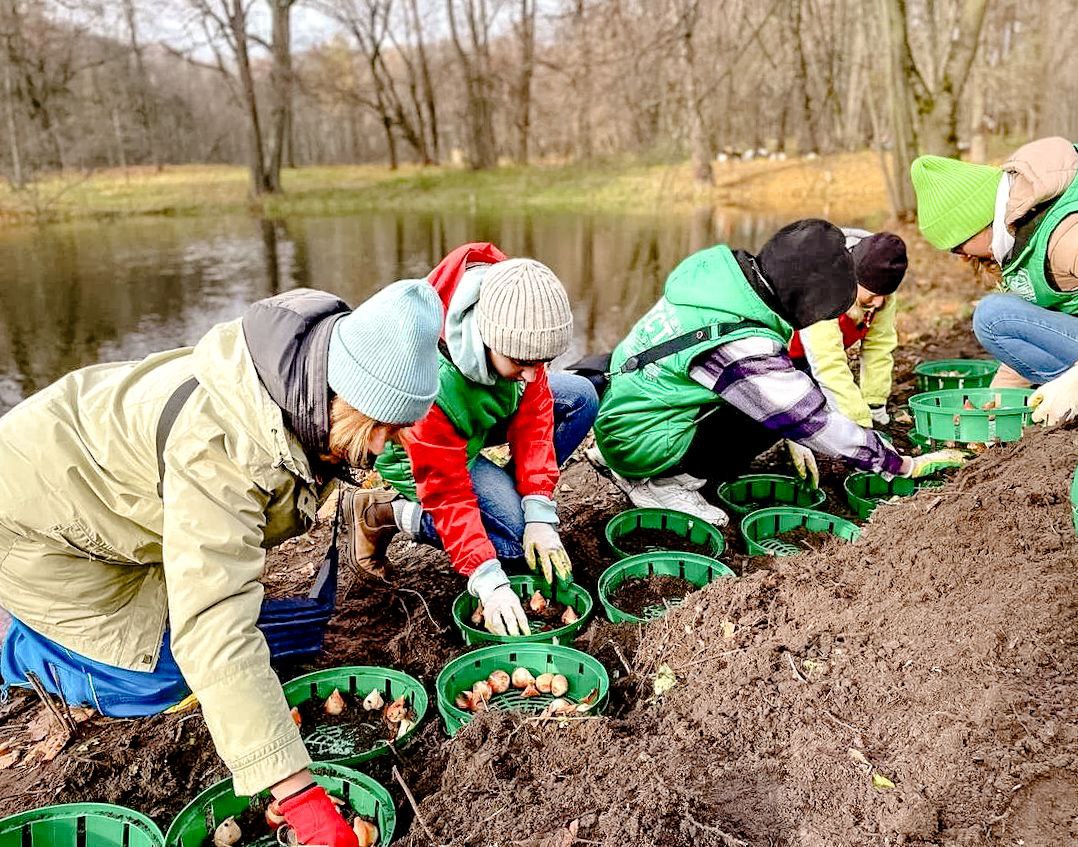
[{"x": 350, "y": 433}]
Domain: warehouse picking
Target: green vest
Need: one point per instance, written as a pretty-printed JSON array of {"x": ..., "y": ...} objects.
[
  {"x": 472, "y": 408},
  {"x": 648, "y": 417},
  {"x": 1025, "y": 274}
]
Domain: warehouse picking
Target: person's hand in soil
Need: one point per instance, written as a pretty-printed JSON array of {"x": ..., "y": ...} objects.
[
  {"x": 916, "y": 467},
  {"x": 1056, "y": 401},
  {"x": 315, "y": 819},
  {"x": 502, "y": 612},
  {"x": 544, "y": 551},
  {"x": 804, "y": 463}
]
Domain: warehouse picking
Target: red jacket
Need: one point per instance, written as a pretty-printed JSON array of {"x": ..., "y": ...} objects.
[
  {"x": 852, "y": 332},
  {"x": 438, "y": 452}
]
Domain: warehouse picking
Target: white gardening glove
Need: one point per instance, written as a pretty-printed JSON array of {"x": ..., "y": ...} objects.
[
  {"x": 1056, "y": 401},
  {"x": 502, "y": 612},
  {"x": 879, "y": 415},
  {"x": 544, "y": 551},
  {"x": 916, "y": 467},
  {"x": 804, "y": 463}
]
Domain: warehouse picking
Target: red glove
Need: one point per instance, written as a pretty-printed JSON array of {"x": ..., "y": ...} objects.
[{"x": 315, "y": 819}]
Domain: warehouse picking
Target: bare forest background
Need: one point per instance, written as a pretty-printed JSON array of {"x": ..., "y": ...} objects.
[{"x": 88, "y": 84}]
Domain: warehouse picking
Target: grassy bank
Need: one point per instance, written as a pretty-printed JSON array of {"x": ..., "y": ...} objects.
[{"x": 841, "y": 186}]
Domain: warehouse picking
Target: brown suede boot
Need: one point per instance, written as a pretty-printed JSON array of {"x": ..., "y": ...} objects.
[{"x": 368, "y": 527}]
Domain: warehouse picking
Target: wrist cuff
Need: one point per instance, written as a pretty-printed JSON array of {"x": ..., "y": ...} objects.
[
  {"x": 539, "y": 509},
  {"x": 486, "y": 579}
]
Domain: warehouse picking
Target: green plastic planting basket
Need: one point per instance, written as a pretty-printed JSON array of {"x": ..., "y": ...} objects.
[
  {"x": 574, "y": 596},
  {"x": 942, "y": 414},
  {"x": 760, "y": 528},
  {"x": 945, "y": 374},
  {"x": 585, "y": 674},
  {"x": 338, "y": 744},
  {"x": 1074, "y": 499},
  {"x": 759, "y": 491},
  {"x": 194, "y": 825},
  {"x": 865, "y": 491},
  {"x": 80, "y": 825},
  {"x": 681, "y": 524},
  {"x": 698, "y": 570}
]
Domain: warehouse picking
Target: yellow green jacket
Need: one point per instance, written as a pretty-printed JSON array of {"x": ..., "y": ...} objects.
[
  {"x": 823, "y": 345},
  {"x": 92, "y": 558}
]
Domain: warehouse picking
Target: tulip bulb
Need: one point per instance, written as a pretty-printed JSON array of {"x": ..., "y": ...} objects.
[
  {"x": 465, "y": 701},
  {"x": 569, "y": 616},
  {"x": 296, "y": 717},
  {"x": 274, "y": 818},
  {"x": 498, "y": 682},
  {"x": 227, "y": 833},
  {"x": 403, "y": 727},
  {"x": 560, "y": 706},
  {"x": 366, "y": 832},
  {"x": 396, "y": 711},
  {"x": 373, "y": 701},
  {"x": 530, "y": 691},
  {"x": 335, "y": 704},
  {"x": 559, "y": 685},
  {"x": 544, "y": 681},
  {"x": 537, "y": 603},
  {"x": 522, "y": 678},
  {"x": 477, "y": 615},
  {"x": 482, "y": 690}
]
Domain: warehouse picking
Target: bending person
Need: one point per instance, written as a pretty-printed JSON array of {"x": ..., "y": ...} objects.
[
  {"x": 704, "y": 383},
  {"x": 133, "y": 575}
]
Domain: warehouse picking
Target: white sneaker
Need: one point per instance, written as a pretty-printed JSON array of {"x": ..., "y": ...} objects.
[
  {"x": 681, "y": 493},
  {"x": 599, "y": 463}
]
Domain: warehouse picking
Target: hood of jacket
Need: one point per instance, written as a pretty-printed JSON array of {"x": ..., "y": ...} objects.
[
  {"x": 288, "y": 339},
  {"x": 1039, "y": 172},
  {"x": 457, "y": 279}
]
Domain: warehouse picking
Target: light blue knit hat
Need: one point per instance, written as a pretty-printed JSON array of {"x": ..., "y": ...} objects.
[{"x": 383, "y": 356}]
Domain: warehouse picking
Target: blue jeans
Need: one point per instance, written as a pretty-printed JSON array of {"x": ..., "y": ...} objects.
[
  {"x": 575, "y": 407},
  {"x": 1036, "y": 342},
  {"x": 112, "y": 691}
]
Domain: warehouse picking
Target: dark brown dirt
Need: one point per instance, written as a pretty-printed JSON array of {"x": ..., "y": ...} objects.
[
  {"x": 944, "y": 658},
  {"x": 365, "y": 728},
  {"x": 636, "y": 595},
  {"x": 806, "y": 538},
  {"x": 644, "y": 540}
]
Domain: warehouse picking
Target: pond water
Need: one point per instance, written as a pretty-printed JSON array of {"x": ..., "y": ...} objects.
[{"x": 81, "y": 293}]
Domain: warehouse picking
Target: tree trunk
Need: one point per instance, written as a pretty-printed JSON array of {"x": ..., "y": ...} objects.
[
  {"x": 237, "y": 21},
  {"x": 852, "y": 136},
  {"x": 281, "y": 83},
  {"x": 807, "y": 141},
  {"x": 524, "y": 80},
  {"x": 978, "y": 142},
  {"x": 428, "y": 85},
  {"x": 18, "y": 180},
  {"x": 582, "y": 79},
  {"x": 899, "y": 97},
  {"x": 687, "y": 16},
  {"x": 147, "y": 112},
  {"x": 475, "y": 67}
]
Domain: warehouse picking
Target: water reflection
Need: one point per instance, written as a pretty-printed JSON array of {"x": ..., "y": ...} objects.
[{"x": 77, "y": 294}]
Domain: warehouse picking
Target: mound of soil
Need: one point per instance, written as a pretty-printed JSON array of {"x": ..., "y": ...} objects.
[
  {"x": 939, "y": 661},
  {"x": 806, "y": 539},
  {"x": 644, "y": 540}
]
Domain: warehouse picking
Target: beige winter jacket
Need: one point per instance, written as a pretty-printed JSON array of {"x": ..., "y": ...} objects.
[
  {"x": 1042, "y": 171},
  {"x": 92, "y": 558}
]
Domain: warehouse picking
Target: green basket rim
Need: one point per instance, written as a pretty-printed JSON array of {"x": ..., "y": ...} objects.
[
  {"x": 818, "y": 494},
  {"x": 607, "y": 585},
  {"x": 63, "y": 811},
  {"x": 300, "y": 686},
  {"x": 864, "y": 506},
  {"x": 709, "y": 529},
  {"x": 371, "y": 786},
  {"x": 981, "y": 367},
  {"x": 568, "y": 654},
  {"x": 551, "y": 636},
  {"x": 923, "y": 402},
  {"x": 759, "y": 514}
]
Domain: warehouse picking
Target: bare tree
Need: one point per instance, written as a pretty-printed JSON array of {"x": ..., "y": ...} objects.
[
  {"x": 522, "y": 85},
  {"x": 476, "y": 68},
  {"x": 281, "y": 84}
]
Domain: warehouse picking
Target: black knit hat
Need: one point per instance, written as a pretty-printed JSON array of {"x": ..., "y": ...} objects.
[
  {"x": 809, "y": 272},
  {"x": 880, "y": 262}
]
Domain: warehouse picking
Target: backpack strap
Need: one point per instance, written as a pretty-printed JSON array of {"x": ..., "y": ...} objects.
[
  {"x": 164, "y": 426},
  {"x": 679, "y": 343}
]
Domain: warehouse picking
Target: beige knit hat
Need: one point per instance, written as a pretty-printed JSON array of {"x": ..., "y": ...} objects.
[{"x": 523, "y": 311}]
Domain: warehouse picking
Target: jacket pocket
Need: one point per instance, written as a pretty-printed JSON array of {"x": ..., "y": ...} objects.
[{"x": 81, "y": 537}]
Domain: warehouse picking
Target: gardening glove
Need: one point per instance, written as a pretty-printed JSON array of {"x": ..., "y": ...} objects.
[
  {"x": 916, "y": 467},
  {"x": 315, "y": 819},
  {"x": 502, "y": 612},
  {"x": 879, "y": 415},
  {"x": 543, "y": 550},
  {"x": 804, "y": 463},
  {"x": 1056, "y": 401}
]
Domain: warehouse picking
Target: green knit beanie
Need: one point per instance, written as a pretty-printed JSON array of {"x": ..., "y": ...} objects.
[{"x": 955, "y": 200}]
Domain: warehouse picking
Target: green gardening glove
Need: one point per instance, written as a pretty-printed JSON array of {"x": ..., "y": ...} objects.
[
  {"x": 544, "y": 551},
  {"x": 930, "y": 463}
]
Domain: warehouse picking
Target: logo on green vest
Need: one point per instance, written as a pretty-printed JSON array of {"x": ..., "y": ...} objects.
[{"x": 1019, "y": 283}]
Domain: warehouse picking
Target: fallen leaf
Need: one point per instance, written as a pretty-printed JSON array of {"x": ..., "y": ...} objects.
[
  {"x": 727, "y": 628},
  {"x": 858, "y": 757},
  {"x": 81, "y": 714},
  {"x": 42, "y": 724},
  {"x": 9, "y": 758},
  {"x": 49, "y": 749},
  {"x": 881, "y": 782},
  {"x": 665, "y": 679}
]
